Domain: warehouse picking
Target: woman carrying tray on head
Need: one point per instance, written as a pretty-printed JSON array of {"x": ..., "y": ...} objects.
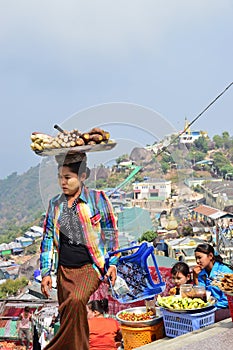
[
  {"x": 209, "y": 266},
  {"x": 81, "y": 225}
]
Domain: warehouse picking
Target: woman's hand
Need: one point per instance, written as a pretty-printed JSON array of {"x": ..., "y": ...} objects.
[
  {"x": 46, "y": 285},
  {"x": 112, "y": 274},
  {"x": 196, "y": 271}
]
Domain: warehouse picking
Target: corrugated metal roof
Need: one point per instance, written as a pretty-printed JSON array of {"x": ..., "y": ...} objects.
[
  {"x": 4, "y": 246},
  {"x": 190, "y": 241},
  {"x": 15, "y": 245},
  {"x": 213, "y": 213}
]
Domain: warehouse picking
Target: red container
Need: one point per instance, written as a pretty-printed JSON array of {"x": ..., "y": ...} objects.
[{"x": 230, "y": 304}]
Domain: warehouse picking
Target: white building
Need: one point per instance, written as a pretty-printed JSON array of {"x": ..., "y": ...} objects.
[
  {"x": 190, "y": 136},
  {"x": 152, "y": 189}
]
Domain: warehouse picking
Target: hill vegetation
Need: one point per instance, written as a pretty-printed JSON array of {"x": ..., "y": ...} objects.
[{"x": 20, "y": 203}]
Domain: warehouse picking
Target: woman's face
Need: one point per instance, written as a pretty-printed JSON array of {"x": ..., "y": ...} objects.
[
  {"x": 204, "y": 260},
  {"x": 70, "y": 182},
  {"x": 179, "y": 279}
]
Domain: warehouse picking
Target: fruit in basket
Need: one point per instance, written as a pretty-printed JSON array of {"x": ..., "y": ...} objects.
[{"x": 178, "y": 303}]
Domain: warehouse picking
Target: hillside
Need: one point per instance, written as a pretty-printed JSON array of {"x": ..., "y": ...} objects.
[{"x": 20, "y": 201}]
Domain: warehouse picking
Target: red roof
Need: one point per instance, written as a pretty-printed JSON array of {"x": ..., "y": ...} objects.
[{"x": 205, "y": 210}]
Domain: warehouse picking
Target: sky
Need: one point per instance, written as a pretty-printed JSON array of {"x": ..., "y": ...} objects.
[{"x": 137, "y": 68}]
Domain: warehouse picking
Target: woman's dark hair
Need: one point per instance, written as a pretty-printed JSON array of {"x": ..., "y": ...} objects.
[
  {"x": 26, "y": 309},
  {"x": 99, "y": 305},
  {"x": 77, "y": 168},
  {"x": 206, "y": 248},
  {"x": 180, "y": 267}
]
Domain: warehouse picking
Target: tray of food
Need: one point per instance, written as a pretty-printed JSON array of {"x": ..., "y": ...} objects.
[
  {"x": 225, "y": 283},
  {"x": 71, "y": 142},
  {"x": 138, "y": 317},
  {"x": 179, "y": 304}
]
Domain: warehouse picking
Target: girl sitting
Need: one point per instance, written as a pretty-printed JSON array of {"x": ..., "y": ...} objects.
[{"x": 180, "y": 275}]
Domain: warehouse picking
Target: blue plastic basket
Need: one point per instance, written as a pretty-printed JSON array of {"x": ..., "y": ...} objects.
[
  {"x": 176, "y": 323},
  {"x": 133, "y": 267}
]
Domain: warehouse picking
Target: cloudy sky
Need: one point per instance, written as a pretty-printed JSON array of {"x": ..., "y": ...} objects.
[{"x": 61, "y": 60}]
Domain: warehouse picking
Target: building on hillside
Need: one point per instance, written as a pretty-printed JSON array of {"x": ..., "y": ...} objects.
[
  {"x": 152, "y": 189},
  {"x": 218, "y": 194},
  {"x": 196, "y": 181},
  {"x": 24, "y": 241},
  {"x": 158, "y": 146},
  {"x": 6, "y": 263},
  {"x": 189, "y": 136},
  {"x": 32, "y": 235},
  {"x": 37, "y": 229},
  {"x": 209, "y": 214},
  {"x": 183, "y": 249},
  {"x": 16, "y": 248},
  {"x": 11, "y": 272},
  {"x": 2, "y": 276},
  {"x": 4, "y": 249}
]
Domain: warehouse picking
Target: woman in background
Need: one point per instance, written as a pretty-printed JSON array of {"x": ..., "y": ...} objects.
[
  {"x": 104, "y": 332},
  {"x": 209, "y": 267},
  {"x": 24, "y": 326}
]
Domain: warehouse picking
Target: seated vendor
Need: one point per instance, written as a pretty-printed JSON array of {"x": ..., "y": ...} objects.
[{"x": 209, "y": 266}]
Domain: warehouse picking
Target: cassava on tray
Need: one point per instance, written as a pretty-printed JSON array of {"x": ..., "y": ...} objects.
[{"x": 68, "y": 139}]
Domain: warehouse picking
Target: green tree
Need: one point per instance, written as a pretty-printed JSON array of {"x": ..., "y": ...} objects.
[
  {"x": 148, "y": 236},
  {"x": 202, "y": 144},
  {"x": 197, "y": 189},
  {"x": 165, "y": 166},
  {"x": 227, "y": 141},
  {"x": 218, "y": 141},
  {"x": 227, "y": 169},
  {"x": 196, "y": 156},
  {"x": 12, "y": 287},
  {"x": 221, "y": 163},
  {"x": 187, "y": 231},
  {"x": 124, "y": 157}
]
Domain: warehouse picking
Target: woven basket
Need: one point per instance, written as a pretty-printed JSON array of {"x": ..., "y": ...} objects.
[
  {"x": 135, "y": 337},
  {"x": 181, "y": 323}
]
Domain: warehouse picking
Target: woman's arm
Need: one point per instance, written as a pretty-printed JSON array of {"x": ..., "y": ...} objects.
[
  {"x": 109, "y": 230},
  {"x": 47, "y": 247}
]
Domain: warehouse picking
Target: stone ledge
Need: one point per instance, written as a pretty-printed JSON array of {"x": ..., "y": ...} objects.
[{"x": 218, "y": 336}]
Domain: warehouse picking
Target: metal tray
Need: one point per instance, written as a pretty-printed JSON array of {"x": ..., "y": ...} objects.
[
  {"x": 228, "y": 293},
  {"x": 138, "y": 310},
  {"x": 82, "y": 149}
]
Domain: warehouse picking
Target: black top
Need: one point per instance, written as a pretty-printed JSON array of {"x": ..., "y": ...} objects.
[{"x": 73, "y": 252}]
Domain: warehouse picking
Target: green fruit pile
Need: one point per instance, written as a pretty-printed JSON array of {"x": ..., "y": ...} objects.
[{"x": 177, "y": 303}]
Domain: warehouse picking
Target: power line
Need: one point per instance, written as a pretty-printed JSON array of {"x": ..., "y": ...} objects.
[{"x": 196, "y": 118}]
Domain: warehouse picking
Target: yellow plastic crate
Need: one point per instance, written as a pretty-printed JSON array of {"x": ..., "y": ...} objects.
[{"x": 134, "y": 337}]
